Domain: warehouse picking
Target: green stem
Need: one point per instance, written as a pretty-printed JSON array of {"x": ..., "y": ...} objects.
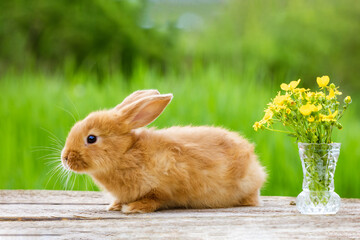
[{"x": 276, "y": 130}]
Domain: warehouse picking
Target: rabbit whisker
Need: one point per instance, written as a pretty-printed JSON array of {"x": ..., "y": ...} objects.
[{"x": 68, "y": 112}]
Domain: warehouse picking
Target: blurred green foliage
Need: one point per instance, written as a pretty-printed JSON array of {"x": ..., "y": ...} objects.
[
  {"x": 286, "y": 39},
  {"x": 98, "y": 35}
]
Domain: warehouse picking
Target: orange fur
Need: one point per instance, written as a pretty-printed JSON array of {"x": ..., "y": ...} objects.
[{"x": 148, "y": 169}]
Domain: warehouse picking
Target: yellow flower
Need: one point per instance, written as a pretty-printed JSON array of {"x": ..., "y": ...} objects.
[
  {"x": 337, "y": 92},
  {"x": 307, "y": 109},
  {"x": 257, "y": 126},
  {"x": 275, "y": 108},
  {"x": 331, "y": 94},
  {"x": 319, "y": 107},
  {"x": 330, "y": 117},
  {"x": 333, "y": 114},
  {"x": 271, "y": 107},
  {"x": 323, "y": 81},
  {"x": 333, "y": 90},
  {"x": 288, "y": 87},
  {"x": 284, "y": 87},
  {"x": 268, "y": 115},
  {"x": 300, "y": 90},
  {"x": 280, "y": 99},
  {"x": 288, "y": 111},
  {"x": 311, "y": 119},
  {"x": 347, "y": 100}
]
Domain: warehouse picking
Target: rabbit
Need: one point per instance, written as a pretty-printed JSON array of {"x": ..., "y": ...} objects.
[{"x": 145, "y": 169}]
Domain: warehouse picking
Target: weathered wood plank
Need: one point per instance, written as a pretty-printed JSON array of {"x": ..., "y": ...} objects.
[
  {"x": 279, "y": 208},
  {"x": 53, "y": 197},
  {"x": 59, "y": 215},
  {"x": 207, "y": 227},
  {"x": 231, "y": 228}
]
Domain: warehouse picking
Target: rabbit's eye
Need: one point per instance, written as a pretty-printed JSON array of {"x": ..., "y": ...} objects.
[{"x": 91, "y": 139}]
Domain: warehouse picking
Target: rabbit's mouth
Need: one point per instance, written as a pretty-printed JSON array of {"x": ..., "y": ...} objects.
[{"x": 73, "y": 161}]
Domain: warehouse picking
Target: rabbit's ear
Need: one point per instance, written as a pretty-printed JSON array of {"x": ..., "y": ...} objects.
[
  {"x": 136, "y": 96},
  {"x": 145, "y": 110}
]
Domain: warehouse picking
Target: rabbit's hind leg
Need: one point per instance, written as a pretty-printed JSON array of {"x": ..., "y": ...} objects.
[{"x": 252, "y": 199}]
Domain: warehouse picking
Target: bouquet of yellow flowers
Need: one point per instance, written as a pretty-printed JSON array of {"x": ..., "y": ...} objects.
[{"x": 308, "y": 116}]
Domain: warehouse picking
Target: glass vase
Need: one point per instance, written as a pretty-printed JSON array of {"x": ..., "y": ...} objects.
[{"x": 319, "y": 164}]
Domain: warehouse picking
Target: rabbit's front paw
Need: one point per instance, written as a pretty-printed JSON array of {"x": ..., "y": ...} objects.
[
  {"x": 141, "y": 206},
  {"x": 115, "y": 206},
  {"x": 127, "y": 208}
]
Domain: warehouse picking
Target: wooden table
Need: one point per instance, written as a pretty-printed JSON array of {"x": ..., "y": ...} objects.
[{"x": 83, "y": 215}]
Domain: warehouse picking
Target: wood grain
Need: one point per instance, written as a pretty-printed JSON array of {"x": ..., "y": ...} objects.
[{"x": 82, "y": 215}]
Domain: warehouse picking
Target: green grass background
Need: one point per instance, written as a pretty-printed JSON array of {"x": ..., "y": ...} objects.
[{"x": 37, "y": 110}]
